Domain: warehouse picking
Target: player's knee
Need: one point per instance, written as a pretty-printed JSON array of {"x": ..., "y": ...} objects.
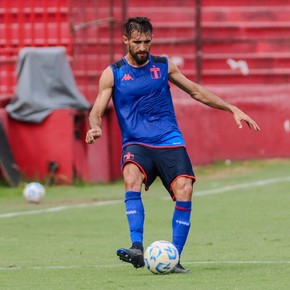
[
  {"x": 132, "y": 178},
  {"x": 132, "y": 182},
  {"x": 183, "y": 189}
]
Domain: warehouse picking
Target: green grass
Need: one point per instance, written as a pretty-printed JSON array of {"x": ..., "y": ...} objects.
[{"x": 239, "y": 238}]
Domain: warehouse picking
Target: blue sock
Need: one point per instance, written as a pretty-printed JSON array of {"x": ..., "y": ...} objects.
[
  {"x": 181, "y": 224},
  {"x": 135, "y": 215}
]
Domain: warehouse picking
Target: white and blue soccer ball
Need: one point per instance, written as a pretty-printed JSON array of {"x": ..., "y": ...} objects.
[
  {"x": 161, "y": 257},
  {"x": 34, "y": 192}
]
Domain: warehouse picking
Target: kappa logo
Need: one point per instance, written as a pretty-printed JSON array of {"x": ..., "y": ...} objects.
[{"x": 127, "y": 77}]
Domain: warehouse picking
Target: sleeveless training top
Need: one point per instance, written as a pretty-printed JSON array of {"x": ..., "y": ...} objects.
[{"x": 143, "y": 104}]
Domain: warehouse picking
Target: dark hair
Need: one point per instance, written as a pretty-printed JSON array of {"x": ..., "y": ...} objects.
[{"x": 140, "y": 24}]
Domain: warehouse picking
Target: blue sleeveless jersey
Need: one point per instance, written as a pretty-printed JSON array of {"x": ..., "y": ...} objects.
[{"x": 143, "y": 104}]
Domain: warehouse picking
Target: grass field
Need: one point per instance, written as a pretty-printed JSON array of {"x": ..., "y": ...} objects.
[{"x": 239, "y": 239}]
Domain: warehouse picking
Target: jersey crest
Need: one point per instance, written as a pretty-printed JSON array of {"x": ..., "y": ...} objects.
[{"x": 155, "y": 72}]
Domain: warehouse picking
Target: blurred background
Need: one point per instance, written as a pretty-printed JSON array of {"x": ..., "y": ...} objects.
[{"x": 238, "y": 49}]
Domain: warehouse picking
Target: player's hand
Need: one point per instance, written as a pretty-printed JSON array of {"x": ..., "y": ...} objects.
[
  {"x": 93, "y": 134},
  {"x": 240, "y": 116}
]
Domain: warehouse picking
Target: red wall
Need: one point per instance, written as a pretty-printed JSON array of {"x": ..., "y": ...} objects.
[
  {"x": 245, "y": 30},
  {"x": 212, "y": 135}
]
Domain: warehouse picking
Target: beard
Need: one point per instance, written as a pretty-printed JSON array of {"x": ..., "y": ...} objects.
[{"x": 140, "y": 58}]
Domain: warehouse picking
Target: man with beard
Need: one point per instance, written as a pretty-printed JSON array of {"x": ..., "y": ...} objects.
[{"x": 152, "y": 143}]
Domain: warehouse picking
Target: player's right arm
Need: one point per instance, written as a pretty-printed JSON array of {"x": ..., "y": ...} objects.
[{"x": 106, "y": 84}]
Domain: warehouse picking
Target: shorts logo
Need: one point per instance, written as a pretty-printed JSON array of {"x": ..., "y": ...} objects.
[
  {"x": 155, "y": 72},
  {"x": 127, "y": 77},
  {"x": 128, "y": 156}
]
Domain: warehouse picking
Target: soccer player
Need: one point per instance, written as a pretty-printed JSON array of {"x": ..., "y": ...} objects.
[{"x": 152, "y": 143}]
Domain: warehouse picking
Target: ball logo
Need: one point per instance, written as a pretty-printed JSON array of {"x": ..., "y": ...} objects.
[
  {"x": 171, "y": 252},
  {"x": 155, "y": 253},
  {"x": 161, "y": 267}
]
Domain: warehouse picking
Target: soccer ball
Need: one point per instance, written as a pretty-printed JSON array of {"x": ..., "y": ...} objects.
[
  {"x": 161, "y": 257},
  {"x": 34, "y": 192}
]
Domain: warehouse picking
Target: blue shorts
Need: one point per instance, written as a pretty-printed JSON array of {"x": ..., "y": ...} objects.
[{"x": 168, "y": 163}]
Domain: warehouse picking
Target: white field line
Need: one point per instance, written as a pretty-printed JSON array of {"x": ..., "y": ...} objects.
[
  {"x": 62, "y": 267},
  {"x": 110, "y": 202},
  {"x": 237, "y": 262},
  {"x": 243, "y": 186},
  {"x": 194, "y": 263},
  {"x": 58, "y": 208}
]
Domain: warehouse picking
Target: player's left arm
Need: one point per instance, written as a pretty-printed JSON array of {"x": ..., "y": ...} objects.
[{"x": 207, "y": 97}]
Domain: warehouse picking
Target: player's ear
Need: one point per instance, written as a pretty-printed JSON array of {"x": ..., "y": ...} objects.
[{"x": 125, "y": 39}]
